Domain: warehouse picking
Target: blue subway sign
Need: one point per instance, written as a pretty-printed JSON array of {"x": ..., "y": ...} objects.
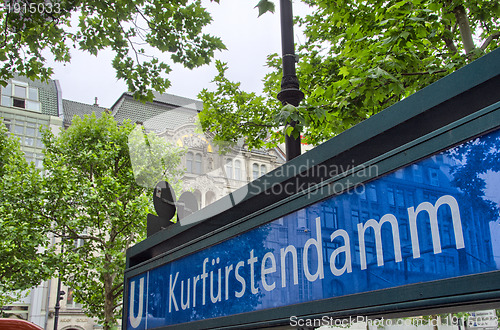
[{"x": 431, "y": 220}]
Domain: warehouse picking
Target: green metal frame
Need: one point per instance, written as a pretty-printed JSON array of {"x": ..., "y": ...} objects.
[{"x": 455, "y": 109}]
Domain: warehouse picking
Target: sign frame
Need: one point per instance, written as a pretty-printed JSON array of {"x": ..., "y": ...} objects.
[{"x": 457, "y": 108}]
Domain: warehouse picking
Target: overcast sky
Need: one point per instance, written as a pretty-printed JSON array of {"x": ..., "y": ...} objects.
[{"x": 249, "y": 40}]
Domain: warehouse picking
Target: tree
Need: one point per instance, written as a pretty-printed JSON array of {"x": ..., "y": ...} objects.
[
  {"x": 359, "y": 58},
  {"x": 25, "y": 256},
  {"x": 96, "y": 208},
  {"x": 475, "y": 160},
  {"x": 30, "y": 29}
]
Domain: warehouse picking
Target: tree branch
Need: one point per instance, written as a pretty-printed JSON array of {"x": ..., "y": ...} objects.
[
  {"x": 131, "y": 44},
  {"x": 450, "y": 44},
  {"x": 488, "y": 40},
  {"x": 464, "y": 27},
  {"x": 420, "y": 73},
  {"x": 251, "y": 123},
  {"x": 118, "y": 293}
]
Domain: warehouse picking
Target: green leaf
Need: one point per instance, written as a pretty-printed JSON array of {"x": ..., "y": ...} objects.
[
  {"x": 289, "y": 108},
  {"x": 265, "y": 6},
  {"x": 344, "y": 71}
]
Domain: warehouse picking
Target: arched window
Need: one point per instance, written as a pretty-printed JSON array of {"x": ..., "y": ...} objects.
[
  {"x": 189, "y": 162},
  {"x": 263, "y": 170},
  {"x": 229, "y": 168},
  {"x": 237, "y": 169},
  {"x": 197, "y": 164},
  {"x": 255, "y": 171}
]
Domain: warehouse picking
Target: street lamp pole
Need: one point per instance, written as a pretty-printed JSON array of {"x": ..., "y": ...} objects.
[
  {"x": 290, "y": 93},
  {"x": 59, "y": 296},
  {"x": 57, "y": 307}
]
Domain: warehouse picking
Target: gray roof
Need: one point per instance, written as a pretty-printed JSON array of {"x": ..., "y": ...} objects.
[
  {"x": 72, "y": 108},
  {"x": 178, "y": 101},
  {"x": 165, "y": 112}
]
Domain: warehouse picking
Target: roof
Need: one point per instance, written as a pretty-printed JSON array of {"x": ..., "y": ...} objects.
[
  {"x": 177, "y": 101},
  {"x": 167, "y": 99},
  {"x": 165, "y": 112},
  {"x": 73, "y": 108},
  {"x": 16, "y": 324}
]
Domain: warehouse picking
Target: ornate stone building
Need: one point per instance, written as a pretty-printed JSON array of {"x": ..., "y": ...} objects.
[{"x": 209, "y": 174}]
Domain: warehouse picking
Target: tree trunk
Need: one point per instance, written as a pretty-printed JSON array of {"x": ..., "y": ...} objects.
[
  {"x": 464, "y": 27},
  {"x": 108, "y": 301}
]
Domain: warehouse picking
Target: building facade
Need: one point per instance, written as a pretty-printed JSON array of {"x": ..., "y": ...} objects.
[
  {"x": 209, "y": 173},
  {"x": 25, "y": 106}
]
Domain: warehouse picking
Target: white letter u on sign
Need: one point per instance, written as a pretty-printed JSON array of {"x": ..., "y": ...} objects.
[{"x": 135, "y": 321}]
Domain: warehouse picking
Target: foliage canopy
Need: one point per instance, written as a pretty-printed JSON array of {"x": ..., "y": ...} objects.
[
  {"x": 359, "y": 57},
  {"x": 127, "y": 27},
  {"x": 96, "y": 208}
]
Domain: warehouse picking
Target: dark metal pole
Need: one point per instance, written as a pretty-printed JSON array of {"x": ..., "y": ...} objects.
[
  {"x": 58, "y": 305},
  {"x": 59, "y": 295},
  {"x": 290, "y": 93}
]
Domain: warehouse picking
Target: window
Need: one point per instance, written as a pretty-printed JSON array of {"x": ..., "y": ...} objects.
[
  {"x": 410, "y": 197},
  {"x": 301, "y": 219},
  {"x": 229, "y": 168},
  {"x": 255, "y": 171},
  {"x": 362, "y": 195},
  {"x": 330, "y": 217},
  {"x": 390, "y": 196},
  {"x": 433, "y": 174},
  {"x": 193, "y": 163},
  {"x": 404, "y": 230},
  {"x": 417, "y": 173},
  {"x": 29, "y": 139},
  {"x": 189, "y": 162},
  {"x": 237, "y": 170},
  {"x": 70, "y": 302},
  {"x": 329, "y": 248},
  {"x": 21, "y": 95},
  {"x": 197, "y": 164},
  {"x": 6, "y": 93},
  {"x": 29, "y": 156},
  {"x": 263, "y": 170},
  {"x": 20, "y": 91},
  {"x": 26, "y": 129},
  {"x": 18, "y": 129},
  {"x": 400, "y": 199},
  {"x": 365, "y": 216},
  {"x": 372, "y": 193},
  {"x": 39, "y": 163},
  {"x": 6, "y": 123},
  {"x": 355, "y": 216},
  {"x": 39, "y": 143},
  {"x": 258, "y": 170}
]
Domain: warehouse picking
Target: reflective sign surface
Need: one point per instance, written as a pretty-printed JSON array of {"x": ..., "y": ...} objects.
[{"x": 435, "y": 219}]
